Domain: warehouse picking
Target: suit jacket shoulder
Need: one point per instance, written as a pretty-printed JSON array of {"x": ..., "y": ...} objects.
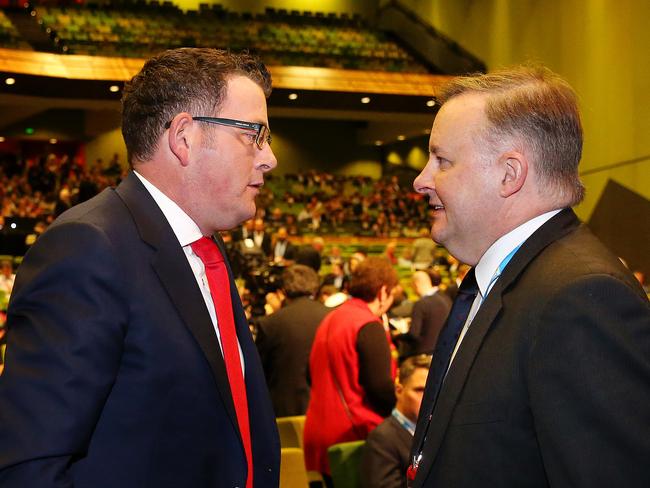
[
  {"x": 386, "y": 456},
  {"x": 540, "y": 375}
]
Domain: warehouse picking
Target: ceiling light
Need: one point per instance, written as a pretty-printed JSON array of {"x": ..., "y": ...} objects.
[
  {"x": 293, "y": 96},
  {"x": 378, "y": 143},
  {"x": 365, "y": 100},
  {"x": 114, "y": 88},
  {"x": 401, "y": 137},
  {"x": 53, "y": 141},
  {"x": 10, "y": 81},
  {"x": 2, "y": 139},
  {"x": 431, "y": 103}
]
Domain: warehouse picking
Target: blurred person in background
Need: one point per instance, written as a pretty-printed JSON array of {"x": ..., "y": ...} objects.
[
  {"x": 350, "y": 366},
  {"x": 285, "y": 337},
  {"x": 385, "y": 455},
  {"x": 429, "y": 312}
]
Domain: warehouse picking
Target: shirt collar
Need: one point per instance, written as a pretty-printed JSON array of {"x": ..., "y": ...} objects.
[
  {"x": 184, "y": 227},
  {"x": 432, "y": 291},
  {"x": 497, "y": 252},
  {"x": 403, "y": 421}
]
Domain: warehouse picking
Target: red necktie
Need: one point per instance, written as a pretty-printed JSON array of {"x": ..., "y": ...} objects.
[{"x": 215, "y": 270}]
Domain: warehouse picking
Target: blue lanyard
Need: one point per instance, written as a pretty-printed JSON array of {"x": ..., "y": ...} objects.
[
  {"x": 403, "y": 421},
  {"x": 499, "y": 270}
]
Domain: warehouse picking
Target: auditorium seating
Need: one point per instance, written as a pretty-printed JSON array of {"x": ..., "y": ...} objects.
[
  {"x": 345, "y": 461},
  {"x": 277, "y": 36},
  {"x": 292, "y": 468},
  {"x": 291, "y": 437},
  {"x": 9, "y": 35}
]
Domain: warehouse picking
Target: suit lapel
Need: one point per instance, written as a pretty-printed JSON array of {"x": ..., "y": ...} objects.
[
  {"x": 558, "y": 226},
  {"x": 173, "y": 270}
]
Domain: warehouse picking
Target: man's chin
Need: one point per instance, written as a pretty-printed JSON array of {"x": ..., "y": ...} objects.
[{"x": 438, "y": 236}]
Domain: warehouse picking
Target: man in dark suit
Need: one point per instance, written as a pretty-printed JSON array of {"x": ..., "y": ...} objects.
[
  {"x": 261, "y": 238},
  {"x": 284, "y": 251},
  {"x": 285, "y": 338},
  {"x": 115, "y": 374},
  {"x": 541, "y": 376},
  {"x": 385, "y": 455},
  {"x": 429, "y": 312}
]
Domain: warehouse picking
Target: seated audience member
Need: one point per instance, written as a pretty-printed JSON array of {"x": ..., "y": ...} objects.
[
  {"x": 335, "y": 256},
  {"x": 284, "y": 340},
  {"x": 276, "y": 217},
  {"x": 350, "y": 366},
  {"x": 261, "y": 238},
  {"x": 429, "y": 312},
  {"x": 284, "y": 251},
  {"x": 386, "y": 452}
]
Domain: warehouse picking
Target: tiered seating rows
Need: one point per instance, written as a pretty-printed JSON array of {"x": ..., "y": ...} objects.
[
  {"x": 9, "y": 35},
  {"x": 278, "y": 40}
]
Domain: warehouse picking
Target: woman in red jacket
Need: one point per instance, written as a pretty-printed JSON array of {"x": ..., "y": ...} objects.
[{"x": 350, "y": 365}]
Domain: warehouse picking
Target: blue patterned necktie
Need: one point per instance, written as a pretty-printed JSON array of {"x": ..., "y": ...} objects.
[
  {"x": 451, "y": 331},
  {"x": 444, "y": 349}
]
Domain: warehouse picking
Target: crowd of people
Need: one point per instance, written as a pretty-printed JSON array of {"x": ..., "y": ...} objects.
[
  {"x": 44, "y": 187},
  {"x": 306, "y": 203},
  {"x": 339, "y": 204}
]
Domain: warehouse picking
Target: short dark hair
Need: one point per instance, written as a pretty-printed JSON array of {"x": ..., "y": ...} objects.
[
  {"x": 299, "y": 280},
  {"x": 180, "y": 80},
  {"x": 536, "y": 105},
  {"x": 408, "y": 367},
  {"x": 369, "y": 276}
]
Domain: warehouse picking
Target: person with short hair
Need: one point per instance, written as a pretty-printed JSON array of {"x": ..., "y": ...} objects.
[
  {"x": 541, "y": 376},
  {"x": 385, "y": 455},
  {"x": 284, "y": 250},
  {"x": 429, "y": 312},
  {"x": 129, "y": 361},
  {"x": 351, "y": 366},
  {"x": 285, "y": 338}
]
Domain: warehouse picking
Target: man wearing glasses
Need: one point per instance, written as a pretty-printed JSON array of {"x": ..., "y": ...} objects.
[{"x": 129, "y": 361}]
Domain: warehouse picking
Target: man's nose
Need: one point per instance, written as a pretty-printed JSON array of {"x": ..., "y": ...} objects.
[{"x": 269, "y": 159}]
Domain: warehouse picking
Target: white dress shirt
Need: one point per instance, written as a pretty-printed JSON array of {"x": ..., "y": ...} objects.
[
  {"x": 187, "y": 232},
  {"x": 487, "y": 270}
]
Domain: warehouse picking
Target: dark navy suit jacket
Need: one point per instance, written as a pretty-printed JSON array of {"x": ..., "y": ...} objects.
[
  {"x": 114, "y": 374},
  {"x": 551, "y": 384}
]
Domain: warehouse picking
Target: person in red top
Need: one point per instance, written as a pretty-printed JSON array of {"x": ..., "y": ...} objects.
[{"x": 350, "y": 366}]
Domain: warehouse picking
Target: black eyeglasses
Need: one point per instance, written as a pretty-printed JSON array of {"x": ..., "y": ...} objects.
[{"x": 262, "y": 132}]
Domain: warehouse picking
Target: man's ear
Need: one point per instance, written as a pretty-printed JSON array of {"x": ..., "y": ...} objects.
[
  {"x": 179, "y": 137},
  {"x": 514, "y": 166},
  {"x": 383, "y": 294}
]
